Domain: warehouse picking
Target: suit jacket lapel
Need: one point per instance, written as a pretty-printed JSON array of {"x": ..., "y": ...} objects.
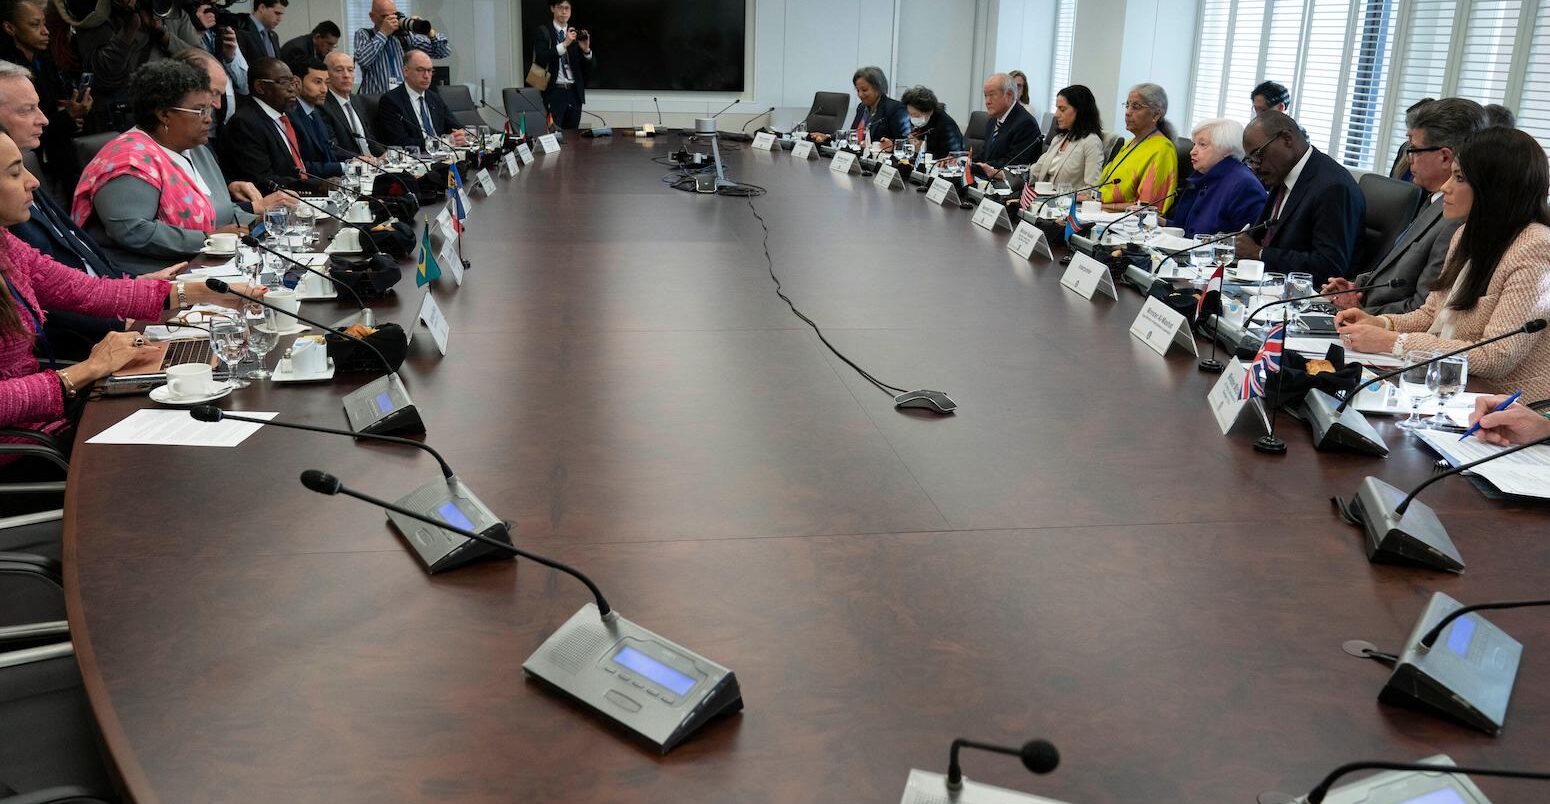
[{"x": 1430, "y": 216}]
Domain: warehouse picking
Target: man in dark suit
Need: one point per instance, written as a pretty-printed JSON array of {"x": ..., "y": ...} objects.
[
  {"x": 345, "y": 113},
  {"x": 319, "y": 150},
  {"x": 1315, "y": 207},
  {"x": 316, "y": 45},
  {"x": 410, "y": 113},
  {"x": 1012, "y": 135},
  {"x": 1435, "y": 132},
  {"x": 259, "y": 143},
  {"x": 256, "y": 36},
  {"x": 567, "y": 54}
]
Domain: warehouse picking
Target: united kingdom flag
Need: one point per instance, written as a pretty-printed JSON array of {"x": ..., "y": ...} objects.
[{"x": 1267, "y": 362}]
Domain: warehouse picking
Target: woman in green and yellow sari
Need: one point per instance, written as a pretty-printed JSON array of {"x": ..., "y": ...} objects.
[{"x": 1148, "y": 166}]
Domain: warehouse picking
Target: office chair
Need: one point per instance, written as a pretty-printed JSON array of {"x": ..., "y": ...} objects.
[
  {"x": 1186, "y": 168},
  {"x": 460, "y": 104},
  {"x": 48, "y": 740},
  {"x": 974, "y": 134},
  {"x": 1391, "y": 206},
  {"x": 827, "y": 114},
  {"x": 86, "y": 147},
  {"x": 525, "y": 105}
]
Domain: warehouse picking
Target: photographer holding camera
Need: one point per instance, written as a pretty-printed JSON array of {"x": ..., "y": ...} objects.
[
  {"x": 566, "y": 53},
  {"x": 379, "y": 50}
]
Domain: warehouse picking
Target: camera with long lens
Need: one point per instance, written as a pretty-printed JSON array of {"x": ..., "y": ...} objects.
[
  {"x": 416, "y": 25},
  {"x": 166, "y": 8}
]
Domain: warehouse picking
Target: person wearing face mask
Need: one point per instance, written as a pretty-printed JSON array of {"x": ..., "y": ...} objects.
[
  {"x": 878, "y": 117},
  {"x": 932, "y": 129},
  {"x": 1075, "y": 155}
]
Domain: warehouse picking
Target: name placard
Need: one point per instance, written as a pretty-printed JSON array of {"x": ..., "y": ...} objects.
[
  {"x": 1087, "y": 277},
  {"x": 888, "y": 178},
  {"x": 1160, "y": 326},
  {"x": 942, "y": 191},
  {"x": 486, "y": 182},
  {"x": 444, "y": 223},
  {"x": 450, "y": 260},
  {"x": 764, "y": 141},
  {"x": 844, "y": 162},
  {"x": 804, "y": 150},
  {"x": 430, "y": 315},
  {"x": 509, "y": 161},
  {"x": 525, "y": 154},
  {"x": 991, "y": 215},
  {"x": 1027, "y": 240},
  {"x": 549, "y": 144},
  {"x": 1223, "y": 398}
]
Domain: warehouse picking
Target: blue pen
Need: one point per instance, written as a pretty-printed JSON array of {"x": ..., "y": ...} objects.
[{"x": 1507, "y": 403}]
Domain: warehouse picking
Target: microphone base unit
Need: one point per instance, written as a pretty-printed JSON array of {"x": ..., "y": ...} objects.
[
  {"x": 1415, "y": 537},
  {"x": 1211, "y": 365},
  {"x": 925, "y": 787},
  {"x": 653, "y": 687},
  {"x": 1398, "y": 786},
  {"x": 1270, "y": 445},
  {"x": 383, "y": 407},
  {"x": 1349, "y": 430},
  {"x": 1467, "y": 676},
  {"x": 449, "y": 500}
]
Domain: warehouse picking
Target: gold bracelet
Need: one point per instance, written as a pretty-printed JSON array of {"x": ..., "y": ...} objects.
[{"x": 68, "y": 384}]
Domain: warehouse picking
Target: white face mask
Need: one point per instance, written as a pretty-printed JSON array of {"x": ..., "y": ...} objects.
[{"x": 917, "y": 122}]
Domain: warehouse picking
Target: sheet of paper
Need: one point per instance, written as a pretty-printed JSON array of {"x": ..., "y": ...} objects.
[
  {"x": 225, "y": 269},
  {"x": 160, "y": 333},
  {"x": 175, "y": 428},
  {"x": 1525, "y": 473}
]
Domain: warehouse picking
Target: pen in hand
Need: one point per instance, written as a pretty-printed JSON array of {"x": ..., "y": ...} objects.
[{"x": 1506, "y": 403}]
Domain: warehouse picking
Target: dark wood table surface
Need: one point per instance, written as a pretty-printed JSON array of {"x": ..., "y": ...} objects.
[{"x": 1077, "y": 555}]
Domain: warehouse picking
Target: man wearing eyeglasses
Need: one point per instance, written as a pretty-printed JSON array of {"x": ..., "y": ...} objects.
[
  {"x": 1417, "y": 256},
  {"x": 1315, "y": 210},
  {"x": 410, "y": 113},
  {"x": 259, "y": 143}
]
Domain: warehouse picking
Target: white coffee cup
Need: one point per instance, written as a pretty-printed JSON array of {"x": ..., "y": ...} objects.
[
  {"x": 1044, "y": 187},
  {"x": 190, "y": 380},
  {"x": 287, "y": 300},
  {"x": 309, "y": 356},
  {"x": 348, "y": 239},
  {"x": 360, "y": 212},
  {"x": 223, "y": 243},
  {"x": 1249, "y": 270},
  {"x": 1092, "y": 207},
  {"x": 1172, "y": 231}
]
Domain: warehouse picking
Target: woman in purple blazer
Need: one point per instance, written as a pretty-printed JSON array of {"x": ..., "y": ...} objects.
[{"x": 1223, "y": 195}]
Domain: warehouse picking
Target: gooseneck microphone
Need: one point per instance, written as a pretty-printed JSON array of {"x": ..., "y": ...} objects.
[
  {"x": 1038, "y": 756},
  {"x": 659, "y": 111},
  {"x": 1399, "y": 510},
  {"x": 211, "y": 413},
  {"x": 1211, "y": 241},
  {"x": 724, "y": 109},
  {"x": 324, "y": 483},
  {"x": 220, "y": 286},
  {"x": 367, "y": 197},
  {"x": 367, "y": 317},
  {"x": 1392, "y": 283},
  {"x": 1431, "y": 636},
  {"x": 768, "y": 111},
  {"x": 1141, "y": 207},
  {"x": 1317, "y": 794},
  {"x": 603, "y": 131},
  {"x": 1528, "y": 328},
  {"x": 502, "y": 114}
]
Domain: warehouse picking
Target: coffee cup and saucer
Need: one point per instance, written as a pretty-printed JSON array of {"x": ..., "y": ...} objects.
[
  {"x": 190, "y": 384},
  {"x": 220, "y": 245},
  {"x": 346, "y": 241},
  {"x": 290, "y": 302}
]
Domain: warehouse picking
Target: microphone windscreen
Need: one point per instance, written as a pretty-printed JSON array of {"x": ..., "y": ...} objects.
[
  {"x": 320, "y": 482},
  {"x": 217, "y": 285},
  {"x": 250, "y": 241},
  {"x": 1534, "y": 326},
  {"x": 1040, "y": 756},
  {"x": 206, "y": 413}
]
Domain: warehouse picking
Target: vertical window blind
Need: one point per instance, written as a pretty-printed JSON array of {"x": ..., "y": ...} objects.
[{"x": 1060, "y": 65}]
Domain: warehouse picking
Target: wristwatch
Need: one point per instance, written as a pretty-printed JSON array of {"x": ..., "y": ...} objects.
[{"x": 182, "y": 295}]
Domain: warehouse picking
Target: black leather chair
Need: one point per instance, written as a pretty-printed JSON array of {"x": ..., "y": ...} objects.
[
  {"x": 827, "y": 114},
  {"x": 1186, "y": 169},
  {"x": 49, "y": 750},
  {"x": 369, "y": 105},
  {"x": 35, "y": 479},
  {"x": 460, "y": 102},
  {"x": 1391, "y": 206},
  {"x": 1112, "y": 143},
  {"x": 525, "y": 107},
  {"x": 86, "y": 147},
  {"x": 974, "y": 135}
]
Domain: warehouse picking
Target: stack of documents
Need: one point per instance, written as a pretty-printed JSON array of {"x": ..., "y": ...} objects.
[{"x": 1525, "y": 473}]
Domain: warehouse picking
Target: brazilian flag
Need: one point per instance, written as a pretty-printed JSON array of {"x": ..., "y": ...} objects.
[{"x": 427, "y": 271}]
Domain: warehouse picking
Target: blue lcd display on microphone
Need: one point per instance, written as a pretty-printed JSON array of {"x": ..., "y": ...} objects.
[
  {"x": 454, "y": 516},
  {"x": 1447, "y": 795},
  {"x": 1459, "y": 634},
  {"x": 384, "y": 403},
  {"x": 654, "y": 670}
]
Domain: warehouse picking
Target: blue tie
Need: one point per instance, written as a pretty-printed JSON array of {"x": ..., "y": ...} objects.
[{"x": 425, "y": 119}]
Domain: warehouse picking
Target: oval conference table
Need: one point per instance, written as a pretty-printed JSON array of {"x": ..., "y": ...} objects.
[{"x": 1078, "y": 554}]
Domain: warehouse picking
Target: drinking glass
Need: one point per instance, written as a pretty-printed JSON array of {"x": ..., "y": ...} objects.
[
  {"x": 263, "y": 335},
  {"x": 274, "y": 222},
  {"x": 1446, "y": 380},
  {"x": 1200, "y": 256},
  {"x": 1414, "y": 383},
  {"x": 1272, "y": 287},
  {"x": 1299, "y": 284},
  {"x": 1225, "y": 250},
  {"x": 229, "y": 340}
]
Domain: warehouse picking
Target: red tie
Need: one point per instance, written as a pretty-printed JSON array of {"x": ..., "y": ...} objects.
[
  {"x": 1275, "y": 216},
  {"x": 290, "y": 137}
]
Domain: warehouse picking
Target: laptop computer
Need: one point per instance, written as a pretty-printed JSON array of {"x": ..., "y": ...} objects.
[{"x": 149, "y": 370}]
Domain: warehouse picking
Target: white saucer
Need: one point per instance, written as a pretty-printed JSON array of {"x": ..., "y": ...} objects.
[
  {"x": 330, "y": 292},
  {"x": 285, "y": 376},
  {"x": 294, "y": 329},
  {"x": 331, "y": 250},
  {"x": 212, "y": 253},
  {"x": 163, "y": 395}
]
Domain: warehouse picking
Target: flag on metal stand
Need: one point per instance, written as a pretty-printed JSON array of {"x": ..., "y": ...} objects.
[{"x": 426, "y": 270}]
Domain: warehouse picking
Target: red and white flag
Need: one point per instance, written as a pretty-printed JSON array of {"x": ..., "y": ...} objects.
[{"x": 1213, "y": 286}]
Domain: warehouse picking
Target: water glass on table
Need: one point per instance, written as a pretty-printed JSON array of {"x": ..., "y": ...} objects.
[
  {"x": 1413, "y": 381},
  {"x": 1446, "y": 380},
  {"x": 229, "y": 340},
  {"x": 1225, "y": 250},
  {"x": 263, "y": 336},
  {"x": 1299, "y": 284}
]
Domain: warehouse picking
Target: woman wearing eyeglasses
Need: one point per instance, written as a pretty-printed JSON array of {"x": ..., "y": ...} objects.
[
  {"x": 154, "y": 193},
  {"x": 1148, "y": 166}
]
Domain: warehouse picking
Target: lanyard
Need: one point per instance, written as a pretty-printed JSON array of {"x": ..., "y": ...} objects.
[{"x": 37, "y": 320}]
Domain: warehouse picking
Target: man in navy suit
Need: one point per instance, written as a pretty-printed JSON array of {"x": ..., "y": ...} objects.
[
  {"x": 319, "y": 149},
  {"x": 567, "y": 54},
  {"x": 1315, "y": 209},
  {"x": 410, "y": 113},
  {"x": 260, "y": 143},
  {"x": 1011, "y": 135}
]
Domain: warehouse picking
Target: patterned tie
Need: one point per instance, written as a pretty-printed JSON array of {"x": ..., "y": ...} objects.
[
  {"x": 290, "y": 138},
  {"x": 355, "y": 128}
]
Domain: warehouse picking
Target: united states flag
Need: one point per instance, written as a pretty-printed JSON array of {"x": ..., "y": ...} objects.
[{"x": 1028, "y": 194}]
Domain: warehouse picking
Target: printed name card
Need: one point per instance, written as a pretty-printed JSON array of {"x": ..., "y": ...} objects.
[
  {"x": 844, "y": 162},
  {"x": 444, "y": 223},
  {"x": 549, "y": 144},
  {"x": 764, "y": 141},
  {"x": 486, "y": 182},
  {"x": 509, "y": 161},
  {"x": 525, "y": 154},
  {"x": 1224, "y": 396},
  {"x": 991, "y": 215},
  {"x": 430, "y": 315},
  {"x": 450, "y": 260},
  {"x": 1087, "y": 276},
  {"x": 942, "y": 192},
  {"x": 1027, "y": 240},
  {"x": 888, "y": 178},
  {"x": 1160, "y": 326},
  {"x": 804, "y": 150}
]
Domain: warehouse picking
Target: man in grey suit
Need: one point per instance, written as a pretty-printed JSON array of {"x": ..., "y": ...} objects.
[
  {"x": 1435, "y": 132},
  {"x": 345, "y": 112}
]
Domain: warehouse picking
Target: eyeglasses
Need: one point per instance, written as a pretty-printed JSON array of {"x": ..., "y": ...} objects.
[
  {"x": 292, "y": 81},
  {"x": 203, "y": 111},
  {"x": 1136, "y": 107},
  {"x": 1253, "y": 157},
  {"x": 1414, "y": 150}
]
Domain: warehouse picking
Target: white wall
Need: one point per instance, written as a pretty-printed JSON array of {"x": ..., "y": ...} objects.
[
  {"x": 1156, "y": 43},
  {"x": 1025, "y": 40},
  {"x": 936, "y": 46}
]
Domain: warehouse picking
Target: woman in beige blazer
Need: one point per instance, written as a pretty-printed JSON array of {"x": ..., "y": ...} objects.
[
  {"x": 1497, "y": 274},
  {"x": 1075, "y": 156}
]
